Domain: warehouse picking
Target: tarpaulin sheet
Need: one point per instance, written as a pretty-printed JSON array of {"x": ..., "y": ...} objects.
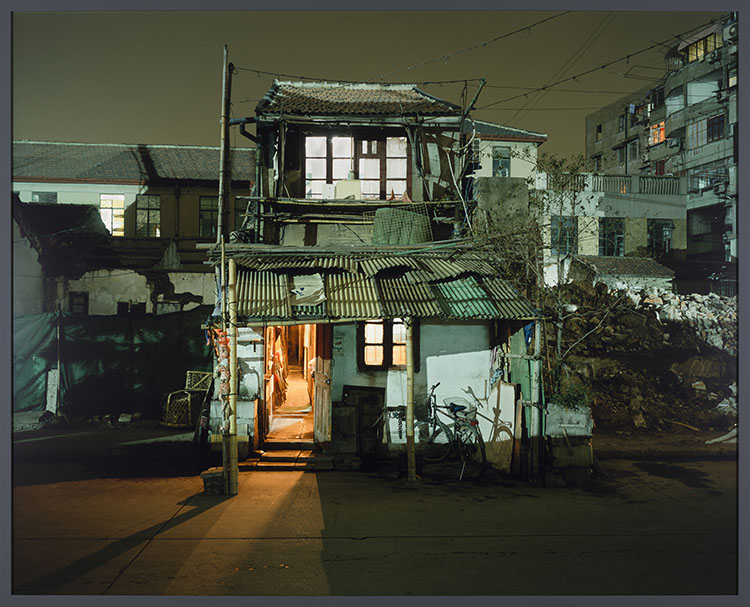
[{"x": 110, "y": 364}]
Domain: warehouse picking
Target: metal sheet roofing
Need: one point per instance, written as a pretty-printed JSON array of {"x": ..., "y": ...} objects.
[
  {"x": 129, "y": 163},
  {"x": 421, "y": 286},
  {"x": 346, "y": 98}
]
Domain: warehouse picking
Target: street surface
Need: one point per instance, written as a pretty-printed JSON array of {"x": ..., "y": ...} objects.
[{"x": 649, "y": 528}]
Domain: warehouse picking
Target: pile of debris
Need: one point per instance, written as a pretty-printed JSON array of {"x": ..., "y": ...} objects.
[{"x": 653, "y": 362}]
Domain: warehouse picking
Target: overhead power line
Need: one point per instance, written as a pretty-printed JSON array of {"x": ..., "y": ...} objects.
[
  {"x": 526, "y": 28},
  {"x": 601, "y": 67}
]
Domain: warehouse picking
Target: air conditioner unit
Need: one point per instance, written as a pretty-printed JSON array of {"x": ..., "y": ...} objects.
[
  {"x": 720, "y": 188},
  {"x": 722, "y": 96},
  {"x": 673, "y": 143},
  {"x": 714, "y": 56},
  {"x": 644, "y": 157},
  {"x": 730, "y": 33}
]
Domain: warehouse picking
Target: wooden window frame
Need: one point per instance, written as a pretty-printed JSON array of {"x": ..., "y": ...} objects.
[
  {"x": 152, "y": 214},
  {"x": 387, "y": 346}
]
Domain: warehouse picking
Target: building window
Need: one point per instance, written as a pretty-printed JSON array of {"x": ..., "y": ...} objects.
[
  {"x": 657, "y": 133},
  {"x": 563, "y": 235},
  {"x": 128, "y": 308},
  {"x": 369, "y": 169},
  {"x": 78, "y": 302},
  {"x": 611, "y": 236},
  {"x": 598, "y": 132},
  {"x": 656, "y": 99},
  {"x": 327, "y": 160},
  {"x": 621, "y": 155},
  {"x": 659, "y": 166},
  {"x": 704, "y": 46},
  {"x": 715, "y": 128},
  {"x": 44, "y": 197},
  {"x": 382, "y": 344},
  {"x": 659, "y": 236},
  {"x": 621, "y": 123},
  {"x": 396, "y": 166},
  {"x": 704, "y": 177},
  {"x": 208, "y": 215},
  {"x": 500, "y": 161},
  {"x": 633, "y": 150},
  {"x": 597, "y": 161},
  {"x": 112, "y": 211},
  {"x": 732, "y": 77},
  {"x": 147, "y": 215}
]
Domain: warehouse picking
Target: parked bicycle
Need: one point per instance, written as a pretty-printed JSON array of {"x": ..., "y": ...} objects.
[{"x": 460, "y": 435}]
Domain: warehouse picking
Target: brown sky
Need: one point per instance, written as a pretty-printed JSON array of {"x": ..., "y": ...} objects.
[{"x": 155, "y": 77}]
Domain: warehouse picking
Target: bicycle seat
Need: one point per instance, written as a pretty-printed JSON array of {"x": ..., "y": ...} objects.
[{"x": 454, "y": 408}]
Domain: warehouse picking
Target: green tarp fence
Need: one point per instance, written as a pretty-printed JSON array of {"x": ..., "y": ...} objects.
[{"x": 109, "y": 364}]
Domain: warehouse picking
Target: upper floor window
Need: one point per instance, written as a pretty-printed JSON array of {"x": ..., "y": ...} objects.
[
  {"x": 379, "y": 163},
  {"x": 621, "y": 155},
  {"x": 656, "y": 100},
  {"x": 657, "y": 133},
  {"x": 563, "y": 234},
  {"x": 112, "y": 212},
  {"x": 599, "y": 132},
  {"x": 659, "y": 240},
  {"x": 704, "y": 46},
  {"x": 732, "y": 77},
  {"x": 633, "y": 150},
  {"x": 500, "y": 161},
  {"x": 704, "y": 131},
  {"x": 621, "y": 123},
  {"x": 715, "y": 128},
  {"x": 597, "y": 163},
  {"x": 611, "y": 236},
  {"x": 207, "y": 216},
  {"x": 46, "y": 197},
  {"x": 78, "y": 302},
  {"x": 148, "y": 215}
]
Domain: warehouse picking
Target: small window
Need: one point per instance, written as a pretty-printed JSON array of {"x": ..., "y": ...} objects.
[
  {"x": 78, "y": 302},
  {"x": 598, "y": 132},
  {"x": 112, "y": 212},
  {"x": 732, "y": 77},
  {"x": 500, "y": 161},
  {"x": 715, "y": 128},
  {"x": 563, "y": 233},
  {"x": 382, "y": 344},
  {"x": 621, "y": 123},
  {"x": 597, "y": 163},
  {"x": 621, "y": 155},
  {"x": 148, "y": 215},
  {"x": 633, "y": 150},
  {"x": 208, "y": 216},
  {"x": 44, "y": 197},
  {"x": 658, "y": 133}
]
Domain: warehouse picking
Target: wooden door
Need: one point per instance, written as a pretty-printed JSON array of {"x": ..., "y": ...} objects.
[{"x": 323, "y": 367}]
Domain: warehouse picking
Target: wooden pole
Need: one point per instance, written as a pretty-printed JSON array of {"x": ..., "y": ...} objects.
[
  {"x": 232, "y": 454},
  {"x": 411, "y": 462},
  {"x": 224, "y": 172}
]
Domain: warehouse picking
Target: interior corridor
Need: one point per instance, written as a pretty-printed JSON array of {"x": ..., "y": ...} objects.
[{"x": 293, "y": 419}]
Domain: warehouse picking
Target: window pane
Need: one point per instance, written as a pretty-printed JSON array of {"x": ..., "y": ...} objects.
[
  {"x": 341, "y": 168},
  {"x": 374, "y": 333},
  {"x": 315, "y": 146},
  {"x": 314, "y": 188},
  {"x": 395, "y": 147},
  {"x": 315, "y": 168},
  {"x": 371, "y": 188},
  {"x": 396, "y": 187},
  {"x": 209, "y": 202},
  {"x": 373, "y": 355},
  {"x": 399, "y": 355},
  {"x": 399, "y": 333},
  {"x": 369, "y": 168},
  {"x": 396, "y": 168},
  {"x": 343, "y": 147}
]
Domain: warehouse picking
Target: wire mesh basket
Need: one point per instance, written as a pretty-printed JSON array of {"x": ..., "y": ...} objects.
[{"x": 403, "y": 224}]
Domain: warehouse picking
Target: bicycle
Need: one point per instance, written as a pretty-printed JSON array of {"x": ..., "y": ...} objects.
[{"x": 462, "y": 437}]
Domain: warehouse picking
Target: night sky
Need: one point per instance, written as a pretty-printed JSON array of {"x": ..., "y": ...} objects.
[{"x": 155, "y": 77}]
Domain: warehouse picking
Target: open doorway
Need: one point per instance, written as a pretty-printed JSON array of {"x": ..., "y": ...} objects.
[{"x": 289, "y": 415}]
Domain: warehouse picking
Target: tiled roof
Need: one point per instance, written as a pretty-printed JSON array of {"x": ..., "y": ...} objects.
[
  {"x": 626, "y": 266},
  {"x": 501, "y": 131},
  {"x": 128, "y": 163},
  {"x": 333, "y": 98},
  {"x": 360, "y": 286}
]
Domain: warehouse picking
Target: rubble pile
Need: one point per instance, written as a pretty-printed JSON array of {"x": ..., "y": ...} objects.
[{"x": 653, "y": 362}]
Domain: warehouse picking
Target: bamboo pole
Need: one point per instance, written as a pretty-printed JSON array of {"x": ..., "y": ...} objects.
[
  {"x": 232, "y": 454},
  {"x": 411, "y": 463}
]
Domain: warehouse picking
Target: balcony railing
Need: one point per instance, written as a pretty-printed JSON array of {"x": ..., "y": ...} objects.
[{"x": 623, "y": 184}]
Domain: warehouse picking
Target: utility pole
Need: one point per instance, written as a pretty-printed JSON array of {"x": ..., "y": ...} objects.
[
  {"x": 225, "y": 170},
  {"x": 232, "y": 467},
  {"x": 411, "y": 464}
]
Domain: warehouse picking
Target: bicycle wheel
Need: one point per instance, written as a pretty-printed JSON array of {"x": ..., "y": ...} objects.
[
  {"x": 472, "y": 452},
  {"x": 439, "y": 442}
]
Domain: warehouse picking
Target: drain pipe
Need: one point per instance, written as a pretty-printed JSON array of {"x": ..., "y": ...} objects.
[
  {"x": 232, "y": 446},
  {"x": 411, "y": 461}
]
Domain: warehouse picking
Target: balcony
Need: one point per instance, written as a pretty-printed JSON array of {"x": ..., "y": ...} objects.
[{"x": 624, "y": 184}]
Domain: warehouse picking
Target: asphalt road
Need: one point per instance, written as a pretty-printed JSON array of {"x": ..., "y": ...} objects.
[{"x": 649, "y": 528}]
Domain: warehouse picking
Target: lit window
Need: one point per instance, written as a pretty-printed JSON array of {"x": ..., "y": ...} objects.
[
  {"x": 208, "y": 215},
  {"x": 396, "y": 166},
  {"x": 147, "y": 215},
  {"x": 696, "y": 134},
  {"x": 382, "y": 344},
  {"x": 658, "y": 133},
  {"x": 698, "y": 49},
  {"x": 112, "y": 212},
  {"x": 327, "y": 160},
  {"x": 732, "y": 77}
]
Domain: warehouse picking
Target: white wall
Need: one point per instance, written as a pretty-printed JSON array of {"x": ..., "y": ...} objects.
[
  {"x": 108, "y": 287},
  {"x": 203, "y": 284},
  {"x": 78, "y": 193},
  {"x": 523, "y": 156},
  {"x": 28, "y": 280}
]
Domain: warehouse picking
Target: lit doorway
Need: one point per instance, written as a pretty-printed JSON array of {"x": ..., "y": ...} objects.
[{"x": 290, "y": 355}]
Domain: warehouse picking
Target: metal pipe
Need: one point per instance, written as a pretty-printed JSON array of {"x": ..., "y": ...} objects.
[
  {"x": 411, "y": 464},
  {"x": 233, "y": 466}
]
